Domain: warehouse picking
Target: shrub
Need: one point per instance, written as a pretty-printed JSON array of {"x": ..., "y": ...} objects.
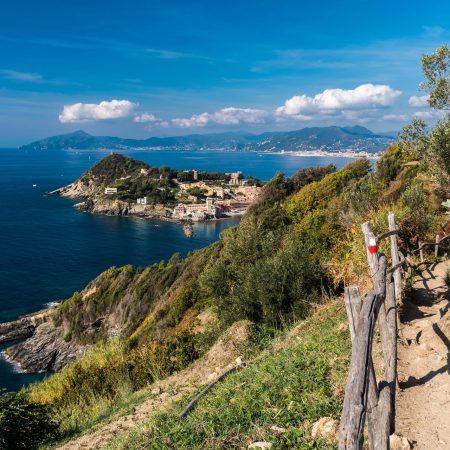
[
  {"x": 309, "y": 174},
  {"x": 24, "y": 424}
]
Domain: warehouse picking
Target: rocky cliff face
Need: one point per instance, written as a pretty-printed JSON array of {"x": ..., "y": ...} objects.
[
  {"x": 124, "y": 302},
  {"x": 43, "y": 345},
  {"x": 121, "y": 208}
]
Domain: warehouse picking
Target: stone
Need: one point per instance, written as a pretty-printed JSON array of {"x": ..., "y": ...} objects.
[
  {"x": 260, "y": 445},
  {"x": 325, "y": 428},
  {"x": 398, "y": 442},
  {"x": 278, "y": 430},
  {"x": 156, "y": 390}
]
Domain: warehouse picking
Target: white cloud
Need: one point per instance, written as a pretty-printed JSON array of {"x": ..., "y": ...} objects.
[
  {"x": 84, "y": 112},
  {"x": 225, "y": 116},
  {"x": 20, "y": 76},
  {"x": 429, "y": 114},
  {"x": 339, "y": 101},
  {"x": 418, "y": 102},
  {"x": 145, "y": 118}
]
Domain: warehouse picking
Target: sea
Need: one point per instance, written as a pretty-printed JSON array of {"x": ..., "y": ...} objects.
[{"x": 48, "y": 249}]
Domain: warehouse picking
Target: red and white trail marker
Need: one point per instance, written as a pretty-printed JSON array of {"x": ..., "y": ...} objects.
[{"x": 372, "y": 247}]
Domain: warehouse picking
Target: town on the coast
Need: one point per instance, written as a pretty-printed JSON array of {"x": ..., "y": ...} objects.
[
  {"x": 200, "y": 200},
  {"x": 119, "y": 185}
]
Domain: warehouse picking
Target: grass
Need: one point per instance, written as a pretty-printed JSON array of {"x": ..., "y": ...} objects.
[
  {"x": 447, "y": 277},
  {"x": 291, "y": 386}
]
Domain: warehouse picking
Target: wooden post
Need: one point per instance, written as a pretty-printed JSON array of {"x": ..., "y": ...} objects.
[
  {"x": 436, "y": 247},
  {"x": 357, "y": 390},
  {"x": 372, "y": 258},
  {"x": 395, "y": 258},
  {"x": 353, "y": 304},
  {"x": 354, "y": 410},
  {"x": 421, "y": 251}
]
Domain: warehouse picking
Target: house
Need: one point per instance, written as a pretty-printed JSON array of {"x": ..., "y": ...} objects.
[
  {"x": 110, "y": 190},
  {"x": 235, "y": 178},
  {"x": 141, "y": 201}
]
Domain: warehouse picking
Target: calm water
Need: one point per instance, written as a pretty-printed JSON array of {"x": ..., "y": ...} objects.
[{"x": 48, "y": 249}]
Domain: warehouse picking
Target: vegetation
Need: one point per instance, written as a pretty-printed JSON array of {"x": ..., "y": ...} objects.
[
  {"x": 293, "y": 250},
  {"x": 25, "y": 424},
  {"x": 276, "y": 399}
]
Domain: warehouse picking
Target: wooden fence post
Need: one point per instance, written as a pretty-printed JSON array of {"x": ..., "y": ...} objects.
[
  {"x": 357, "y": 391},
  {"x": 395, "y": 258},
  {"x": 372, "y": 258},
  {"x": 421, "y": 251},
  {"x": 353, "y": 304},
  {"x": 436, "y": 247}
]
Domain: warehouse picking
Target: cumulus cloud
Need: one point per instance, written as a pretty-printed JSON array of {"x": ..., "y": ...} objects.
[
  {"x": 418, "y": 102},
  {"x": 145, "y": 118},
  {"x": 151, "y": 120},
  {"x": 429, "y": 114},
  {"x": 338, "y": 101},
  {"x": 84, "y": 112},
  {"x": 225, "y": 116}
]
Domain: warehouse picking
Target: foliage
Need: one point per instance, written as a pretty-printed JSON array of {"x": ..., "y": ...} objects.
[
  {"x": 24, "y": 424},
  {"x": 390, "y": 163},
  {"x": 197, "y": 191},
  {"x": 436, "y": 68},
  {"x": 289, "y": 388},
  {"x": 439, "y": 147},
  {"x": 413, "y": 139},
  {"x": 309, "y": 174},
  {"x": 319, "y": 193}
]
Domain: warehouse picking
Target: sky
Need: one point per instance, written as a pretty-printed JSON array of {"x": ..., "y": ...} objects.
[{"x": 159, "y": 68}]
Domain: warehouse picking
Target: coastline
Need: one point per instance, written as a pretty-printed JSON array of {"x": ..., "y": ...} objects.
[{"x": 324, "y": 153}]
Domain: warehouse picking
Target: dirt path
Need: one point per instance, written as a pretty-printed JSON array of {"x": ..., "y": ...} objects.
[{"x": 423, "y": 402}]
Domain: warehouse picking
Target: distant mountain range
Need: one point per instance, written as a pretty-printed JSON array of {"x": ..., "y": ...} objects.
[{"x": 332, "y": 139}]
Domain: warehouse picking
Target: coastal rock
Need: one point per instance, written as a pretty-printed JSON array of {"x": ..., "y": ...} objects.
[
  {"x": 43, "y": 348},
  {"x": 23, "y": 327}
]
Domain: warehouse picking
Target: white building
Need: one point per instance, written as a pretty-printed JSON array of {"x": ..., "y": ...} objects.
[
  {"x": 110, "y": 190},
  {"x": 141, "y": 201}
]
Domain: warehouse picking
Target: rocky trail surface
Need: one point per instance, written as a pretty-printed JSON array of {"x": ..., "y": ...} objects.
[{"x": 423, "y": 401}]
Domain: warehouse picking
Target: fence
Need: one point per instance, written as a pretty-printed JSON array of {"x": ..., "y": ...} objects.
[{"x": 365, "y": 399}]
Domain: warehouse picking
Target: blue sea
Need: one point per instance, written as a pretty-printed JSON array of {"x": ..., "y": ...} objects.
[{"x": 48, "y": 249}]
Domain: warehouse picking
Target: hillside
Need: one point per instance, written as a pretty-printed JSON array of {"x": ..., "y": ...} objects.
[
  {"x": 319, "y": 138},
  {"x": 293, "y": 251}
]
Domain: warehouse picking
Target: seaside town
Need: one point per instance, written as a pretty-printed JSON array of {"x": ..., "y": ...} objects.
[{"x": 199, "y": 200}]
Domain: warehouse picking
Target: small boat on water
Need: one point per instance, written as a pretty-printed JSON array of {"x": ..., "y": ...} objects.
[{"x": 188, "y": 229}]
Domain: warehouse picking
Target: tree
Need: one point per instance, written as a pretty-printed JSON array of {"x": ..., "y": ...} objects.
[
  {"x": 413, "y": 139},
  {"x": 436, "y": 68}
]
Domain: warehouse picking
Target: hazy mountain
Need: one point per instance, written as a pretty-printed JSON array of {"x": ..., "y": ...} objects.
[{"x": 316, "y": 138}]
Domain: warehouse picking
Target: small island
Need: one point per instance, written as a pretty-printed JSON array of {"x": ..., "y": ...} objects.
[{"x": 119, "y": 185}]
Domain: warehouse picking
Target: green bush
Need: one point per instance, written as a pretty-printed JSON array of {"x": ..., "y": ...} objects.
[{"x": 24, "y": 424}]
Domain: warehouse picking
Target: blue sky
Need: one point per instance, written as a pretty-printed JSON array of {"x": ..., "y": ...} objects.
[{"x": 142, "y": 68}]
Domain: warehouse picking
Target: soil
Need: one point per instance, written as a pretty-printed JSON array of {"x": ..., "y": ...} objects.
[{"x": 423, "y": 399}]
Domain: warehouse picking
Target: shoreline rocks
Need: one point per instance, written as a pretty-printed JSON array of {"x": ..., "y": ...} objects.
[{"x": 42, "y": 346}]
